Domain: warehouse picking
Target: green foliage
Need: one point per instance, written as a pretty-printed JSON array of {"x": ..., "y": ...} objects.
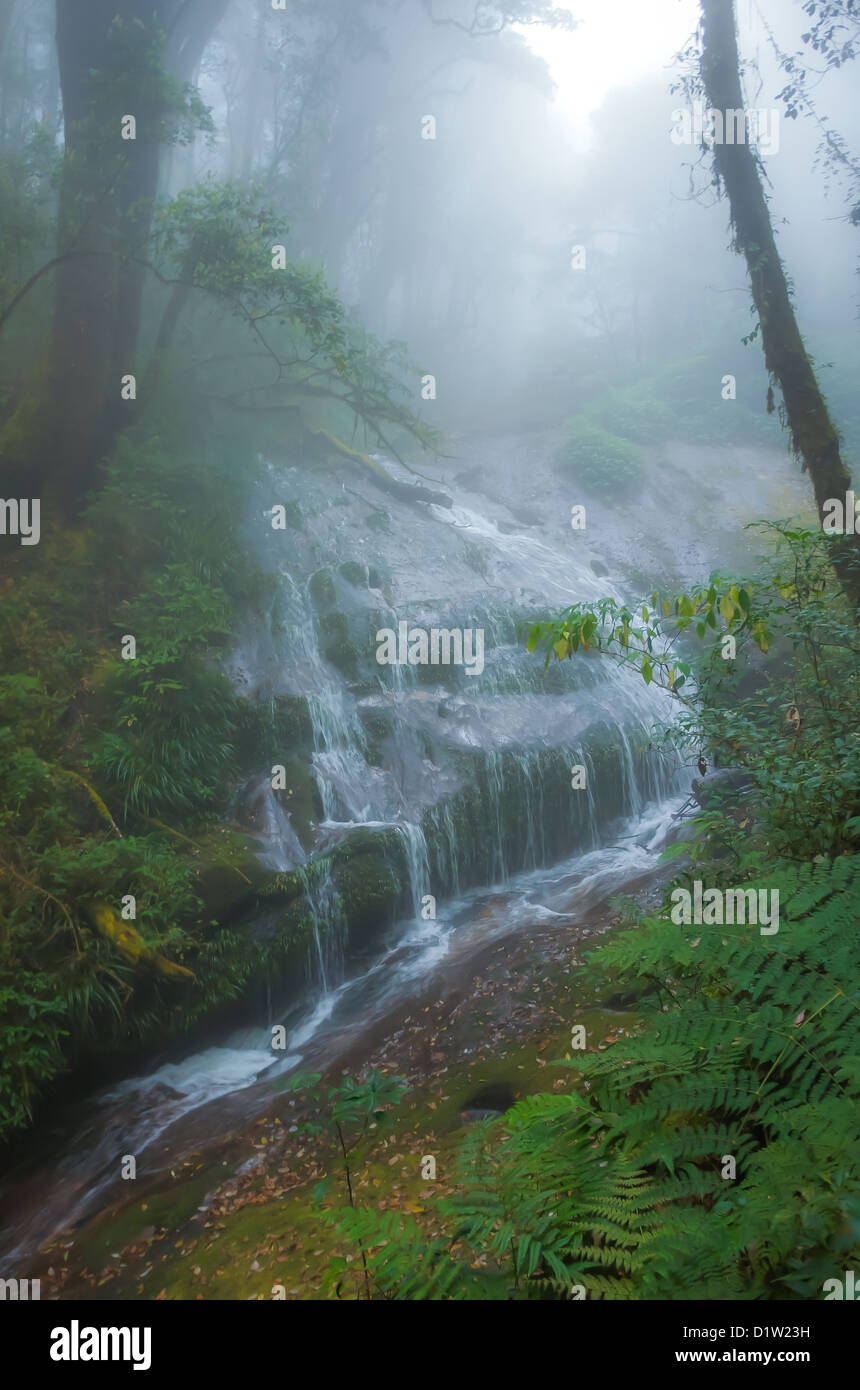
[
  {"x": 747, "y": 1047},
  {"x": 134, "y": 78},
  {"x": 115, "y": 770},
  {"x": 784, "y": 707},
  {"x": 107, "y": 765},
  {"x": 636, "y": 414},
  {"x": 350, "y": 1110},
  {"x": 682, "y": 401},
  {"x": 27, "y": 181},
  {"x": 226, "y": 240},
  {"x": 602, "y": 463}
]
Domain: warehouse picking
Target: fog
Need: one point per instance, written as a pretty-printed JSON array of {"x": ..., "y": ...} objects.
[
  {"x": 460, "y": 245},
  {"x": 429, "y": 552}
]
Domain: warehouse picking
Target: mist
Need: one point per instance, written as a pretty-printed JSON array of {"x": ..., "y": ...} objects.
[{"x": 428, "y": 551}]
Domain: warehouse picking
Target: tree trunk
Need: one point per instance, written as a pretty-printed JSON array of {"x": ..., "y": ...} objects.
[
  {"x": 106, "y": 201},
  {"x": 6, "y": 8},
  {"x": 813, "y": 434}
]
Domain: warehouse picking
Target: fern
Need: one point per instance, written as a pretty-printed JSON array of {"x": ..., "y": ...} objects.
[{"x": 747, "y": 1048}]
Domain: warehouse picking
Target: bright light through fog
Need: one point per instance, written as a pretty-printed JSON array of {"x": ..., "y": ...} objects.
[{"x": 614, "y": 44}]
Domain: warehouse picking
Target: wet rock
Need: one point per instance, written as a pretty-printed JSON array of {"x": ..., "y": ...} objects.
[
  {"x": 724, "y": 784},
  {"x": 322, "y": 590},
  {"x": 338, "y": 647},
  {"x": 251, "y": 1165},
  {"x": 470, "y": 479}
]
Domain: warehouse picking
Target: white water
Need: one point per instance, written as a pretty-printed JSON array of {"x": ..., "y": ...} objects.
[
  {"x": 507, "y": 712},
  {"x": 131, "y": 1116}
]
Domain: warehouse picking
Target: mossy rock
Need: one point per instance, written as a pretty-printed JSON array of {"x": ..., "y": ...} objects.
[
  {"x": 301, "y": 799},
  {"x": 371, "y": 839},
  {"x": 555, "y": 681},
  {"x": 269, "y": 730},
  {"x": 354, "y": 573},
  {"x": 378, "y": 727},
  {"x": 359, "y": 575},
  {"x": 439, "y": 674},
  {"x": 321, "y": 589},
  {"x": 338, "y": 647},
  {"x": 378, "y": 723},
  {"x": 475, "y": 558},
  {"x": 292, "y": 721},
  {"x": 370, "y": 891},
  {"x": 228, "y": 873}
]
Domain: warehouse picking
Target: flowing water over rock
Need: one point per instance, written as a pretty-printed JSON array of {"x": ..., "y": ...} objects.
[{"x": 421, "y": 808}]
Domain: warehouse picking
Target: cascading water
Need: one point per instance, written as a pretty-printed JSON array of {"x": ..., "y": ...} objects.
[{"x": 470, "y": 775}]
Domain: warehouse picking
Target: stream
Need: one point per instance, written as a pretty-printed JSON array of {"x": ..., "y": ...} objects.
[{"x": 470, "y": 775}]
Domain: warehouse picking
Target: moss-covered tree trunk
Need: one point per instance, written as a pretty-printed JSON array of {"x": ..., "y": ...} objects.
[
  {"x": 813, "y": 433},
  {"x": 106, "y": 198},
  {"x": 116, "y": 59}
]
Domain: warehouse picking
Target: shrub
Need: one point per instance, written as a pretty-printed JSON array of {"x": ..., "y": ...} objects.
[{"x": 601, "y": 462}]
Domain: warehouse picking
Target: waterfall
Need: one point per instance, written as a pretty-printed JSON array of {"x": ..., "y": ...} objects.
[
  {"x": 404, "y": 782},
  {"x": 417, "y": 861},
  {"x": 283, "y": 849},
  {"x": 473, "y": 774},
  {"x": 329, "y": 922}
]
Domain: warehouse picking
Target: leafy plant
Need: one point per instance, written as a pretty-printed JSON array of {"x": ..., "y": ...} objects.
[
  {"x": 603, "y": 463},
  {"x": 615, "y": 1190},
  {"x": 350, "y": 1110}
]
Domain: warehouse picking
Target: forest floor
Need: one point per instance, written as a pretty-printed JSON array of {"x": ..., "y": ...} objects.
[{"x": 200, "y": 1232}]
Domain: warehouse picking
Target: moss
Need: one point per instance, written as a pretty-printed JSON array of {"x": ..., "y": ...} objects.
[
  {"x": 321, "y": 589},
  {"x": 292, "y": 721},
  {"x": 228, "y": 873},
  {"x": 301, "y": 799},
  {"x": 338, "y": 648},
  {"x": 378, "y": 728},
  {"x": 371, "y": 874},
  {"x": 635, "y": 414},
  {"x": 267, "y": 730},
  {"x": 294, "y": 517},
  {"x": 354, "y": 573},
  {"x": 521, "y": 809},
  {"x": 370, "y": 891},
  {"x": 142, "y": 1220},
  {"x": 475, "y": 558},
  {"x": 359, "y": 575}
]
